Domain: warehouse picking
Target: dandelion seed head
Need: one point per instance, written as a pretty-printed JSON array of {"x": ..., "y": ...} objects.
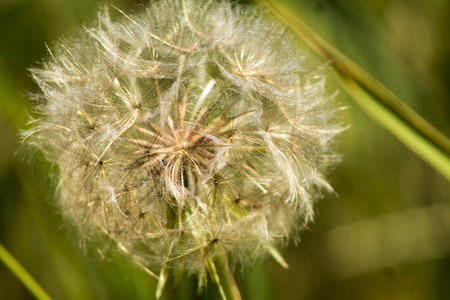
[{"x": 186, "y": 130}]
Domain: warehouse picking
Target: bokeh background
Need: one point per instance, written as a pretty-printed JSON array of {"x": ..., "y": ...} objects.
[{"x": 384, "y": 235}]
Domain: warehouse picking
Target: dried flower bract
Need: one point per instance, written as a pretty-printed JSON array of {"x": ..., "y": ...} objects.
[{"x": 189, "y": 129}]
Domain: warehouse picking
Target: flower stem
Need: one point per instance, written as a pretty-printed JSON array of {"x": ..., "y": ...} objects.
[
  {"x": 22, "y": 274},
  {"x": 226, "y": 277}
]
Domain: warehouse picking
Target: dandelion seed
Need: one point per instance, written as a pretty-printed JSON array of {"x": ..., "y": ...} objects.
[{"x": 186, "y": 131}]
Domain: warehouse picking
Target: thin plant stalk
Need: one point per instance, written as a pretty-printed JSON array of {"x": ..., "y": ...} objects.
[
  {"x": 375, "y": 99},
  {"x": 226, "y": 278},
  {"x": 23, "y": 275}
]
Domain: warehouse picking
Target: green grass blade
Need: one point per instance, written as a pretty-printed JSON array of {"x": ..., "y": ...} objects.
[
  {"x": 400, "y": 129},
  {"x": 22, "y": 274},
  {"x": 381, "y": 104}
]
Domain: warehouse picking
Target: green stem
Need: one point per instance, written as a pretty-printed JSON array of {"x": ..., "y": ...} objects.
[
  {"x": 162, "y": 282},
  {"x": 226, "y": 277},
  {"x": 22, "y": 274}
]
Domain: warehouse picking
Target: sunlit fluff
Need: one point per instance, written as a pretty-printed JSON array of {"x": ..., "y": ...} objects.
[{"x": 187, "y": 130}]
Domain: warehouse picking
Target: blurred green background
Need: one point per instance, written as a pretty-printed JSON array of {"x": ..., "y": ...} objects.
[{"x": 385, "y": 236}]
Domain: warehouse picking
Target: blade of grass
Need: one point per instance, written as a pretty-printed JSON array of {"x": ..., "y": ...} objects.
[
  {"x": 403, "y": 122},
  {"x": 22, "y": 274},
  {"x": 400, "y": 129}
]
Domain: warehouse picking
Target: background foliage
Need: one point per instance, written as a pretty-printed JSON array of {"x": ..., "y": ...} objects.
[{"x": 386, "y": 236}]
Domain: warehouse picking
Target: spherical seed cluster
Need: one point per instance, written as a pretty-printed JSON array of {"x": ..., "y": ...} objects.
[{"x": 190, "y": 129}]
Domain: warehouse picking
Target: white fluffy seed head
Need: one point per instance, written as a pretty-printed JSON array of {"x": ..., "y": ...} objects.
[{"x": 189, "y": 129}]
